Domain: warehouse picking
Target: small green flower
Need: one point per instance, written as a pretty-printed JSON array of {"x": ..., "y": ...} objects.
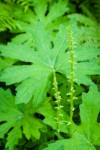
[{"x": 58, "y": 106}]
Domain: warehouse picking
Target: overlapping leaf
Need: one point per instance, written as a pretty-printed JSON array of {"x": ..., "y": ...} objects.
[
  {"x": 77, "y": 142},
  {"x": 44, "y": 12},
  {"x": 46, "y": 56},
  {"x": 13, "y": 16},
  {"x": 13, "y": 117},
  {"x": 41, "y": 68},
  {"x": 87, "y": 134},
  {"x": 50, "y": 114}
]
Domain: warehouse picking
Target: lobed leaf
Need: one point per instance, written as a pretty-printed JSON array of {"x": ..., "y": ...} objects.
[
  {"x": 89, "y": 111},
  {"x": 77, "y": 142},
  {"x": 46, "y": 59},
  {"x": 14, "y": 118}
]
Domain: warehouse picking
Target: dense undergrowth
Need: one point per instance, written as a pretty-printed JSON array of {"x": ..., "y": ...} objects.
[{"x": 49, "y": 75}]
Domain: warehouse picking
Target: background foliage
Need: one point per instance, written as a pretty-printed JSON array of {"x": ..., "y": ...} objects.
[{"x": 50, "y": 74}]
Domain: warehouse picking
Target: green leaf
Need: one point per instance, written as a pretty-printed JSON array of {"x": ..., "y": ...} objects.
[
  {"x": 4, "y": 63},
  {"x": 40, "y": 10},
  {"x": 32, "y": 88},
  {"x": 17, "y": 74},
  {"x": 40, "y": 68},
  {"x": 50, "y": 114},
  {"x": 58, "y": 54},
  {"x": 30, "y": 124},
  {"x": 13, "y": 138},
  {"x": 24, "y": 38},
  {"x": 11, "y": 116},
  {"x": 45, "y": 59},
  {"x": 47, "y": 111},
  {"x": 77, "y": 142},
  {"x": 25, "y": 91},
  {"x": 31, "y": 127},
  {"x": 87, "y": 134},
  {"x": 89, "y": 111},
  {"x": 85, "y": 56},
  {"x": 60, "y": 8},
  {"x": 83, "y": 67},
  {"x": 14, "y": 118},
  {"x": 42, "y": 39},
  {"x": 44, "y": 13},
  {"x": 17, "y": 52}
]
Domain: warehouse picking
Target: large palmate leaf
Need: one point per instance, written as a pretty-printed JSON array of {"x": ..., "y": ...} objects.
[
  {"x": 43, "y": 12},
  {"x": 60, "y": 7},
  {"x": 47, "y": 56},
  {"x": 40, "y": 70},
  {"x": 13, "y": 118}
]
